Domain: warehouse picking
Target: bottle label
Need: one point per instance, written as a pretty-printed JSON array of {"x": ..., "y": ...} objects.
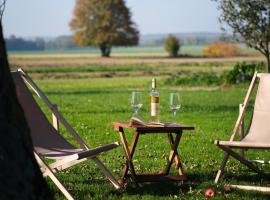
[
  {"x": 154, "y": 99},
  {"x": 154, "y": 109},
  {"x": 154, "y": 106}
]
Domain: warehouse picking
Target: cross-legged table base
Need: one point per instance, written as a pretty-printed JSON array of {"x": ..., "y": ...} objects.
[{"x": 173, "y": 156}]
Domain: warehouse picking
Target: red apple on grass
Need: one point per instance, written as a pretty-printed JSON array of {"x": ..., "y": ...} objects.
[
  {"x": 162, "y": 172},
  {"x": 121, "y": 182},
  {"x": 209, "y": 193}
]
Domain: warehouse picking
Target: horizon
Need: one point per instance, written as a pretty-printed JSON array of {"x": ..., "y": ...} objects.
[
  {"x": 174, "y": 17},
  {"x": 141, "y": 35}
]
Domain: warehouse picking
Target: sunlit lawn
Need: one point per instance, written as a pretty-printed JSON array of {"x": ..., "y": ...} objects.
[{"x": 91, "y": 105}]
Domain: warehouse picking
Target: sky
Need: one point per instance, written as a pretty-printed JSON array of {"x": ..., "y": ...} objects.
[{"x": 50, "y": 18}]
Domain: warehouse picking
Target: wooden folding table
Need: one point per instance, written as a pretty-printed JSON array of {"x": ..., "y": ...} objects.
[{"x": 173, "y": 141}]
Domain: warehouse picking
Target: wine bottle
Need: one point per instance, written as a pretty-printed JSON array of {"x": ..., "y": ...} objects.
[{"x": 154, "y": 101}]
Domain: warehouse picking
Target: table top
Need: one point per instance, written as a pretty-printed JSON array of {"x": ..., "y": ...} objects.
[{"x": 174, "y": 128}]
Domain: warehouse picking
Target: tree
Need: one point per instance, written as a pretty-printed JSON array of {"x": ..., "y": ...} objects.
[
  {"x": 14, "y": 43},
  {"x": 103, "y": 23},
  {"x": 250, "y": 19},
  {"x": 172, "y": 45},
  {"x": 20, "y": 176}
]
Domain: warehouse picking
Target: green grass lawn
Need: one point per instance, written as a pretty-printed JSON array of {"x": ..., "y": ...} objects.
[{"x": 91, "y": 105}]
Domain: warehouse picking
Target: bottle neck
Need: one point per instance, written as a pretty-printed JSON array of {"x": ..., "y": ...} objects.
[
  {"x": 154, "y": 92},
  {"x": 154, "y": 84}
]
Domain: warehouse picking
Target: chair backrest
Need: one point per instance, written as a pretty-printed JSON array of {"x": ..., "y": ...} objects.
[
  {"x": 260, "y": 125},
  {"x": 45, "y": 137}
]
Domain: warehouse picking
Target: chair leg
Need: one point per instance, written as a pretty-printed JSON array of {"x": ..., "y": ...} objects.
[
  {"x": 107, "y": 173},
  {"x": 221, "y": 168},
  {"x": 242, "y": 160},
  {"x": 49, "y": 173},
  {"x": 59, "y": 185}
]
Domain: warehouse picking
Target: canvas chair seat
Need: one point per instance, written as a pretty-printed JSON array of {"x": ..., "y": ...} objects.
[
  {"x": 48, "y": 142},
  {"x": 258, "y": 134}
]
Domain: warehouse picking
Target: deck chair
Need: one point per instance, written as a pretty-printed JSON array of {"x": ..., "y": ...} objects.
[
  {"x": 47, "y": 140},
  {"x": 257, "y": 135}
]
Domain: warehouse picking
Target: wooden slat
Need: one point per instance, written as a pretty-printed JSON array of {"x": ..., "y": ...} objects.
[
  {"x": 249, "y": 187},
  {"x": 55, "y": 120},
  {"x": 221, "y": 168},
  {"x": 50, "y": 173},
  {"x": 245, "y": 104},
  {"x": 241, "y": 130},
  {"x": 106, "y": 172},
  {"x": 242, "y": 145}
]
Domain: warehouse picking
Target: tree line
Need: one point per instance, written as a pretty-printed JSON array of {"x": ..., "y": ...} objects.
[
  {"x": 66, "y": 42},
  {"x": 14, "y": 43}
]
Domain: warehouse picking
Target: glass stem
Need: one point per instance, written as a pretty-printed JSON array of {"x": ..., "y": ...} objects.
[{"x": 174, "y": 116}]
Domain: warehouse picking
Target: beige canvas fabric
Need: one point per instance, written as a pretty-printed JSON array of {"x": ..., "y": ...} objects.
[
  {"x": 47, "y": 141},
  {"x": 259, "y": 132}
]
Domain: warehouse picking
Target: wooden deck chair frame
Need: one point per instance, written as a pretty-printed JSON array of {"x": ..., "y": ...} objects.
[
  {"x": 61, "y": 164},
  {"x": 240, "y": 156}
]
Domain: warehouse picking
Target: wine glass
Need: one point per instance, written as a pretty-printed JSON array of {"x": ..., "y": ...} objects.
[
  {"x": 136, "y": 101},
  {"x": 174, "y": 103}
]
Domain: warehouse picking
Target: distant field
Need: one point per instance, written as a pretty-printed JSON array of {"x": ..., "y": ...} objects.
[
  {"x": 95, "y": 70},
  {"x": 127, "y": 62},
  {"x": 133, "y": 61},
  {"x": 194, "y": 49},
  {"x": 45, "y": 66},
  {"x": 158, "y": 50}
]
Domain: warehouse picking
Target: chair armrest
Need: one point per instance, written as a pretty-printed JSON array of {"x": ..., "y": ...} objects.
[{"x": 97, "y": 150}]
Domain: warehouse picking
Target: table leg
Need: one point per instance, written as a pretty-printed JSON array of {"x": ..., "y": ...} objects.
[
  {"x": 174, "y": 154},
  {"x": 129, "y": 154},
  {"x": 132, "y": 149},
  {"x": 176, "y": 158},
  {"x": 178, "y": 163}
]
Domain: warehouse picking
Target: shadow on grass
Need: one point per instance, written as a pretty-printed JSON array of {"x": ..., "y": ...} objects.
[
  {"x": 197, "y": 183},
  {"x": 99, "y": 188},
  {"x": 247, "y": 177},
  {"x": 157, "y": 189}
]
